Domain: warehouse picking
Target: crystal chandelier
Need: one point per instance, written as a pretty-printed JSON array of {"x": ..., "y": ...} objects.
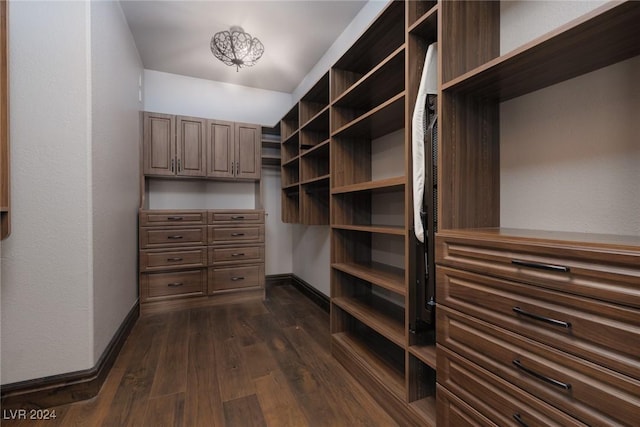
[{"x": 235, "y": 47}]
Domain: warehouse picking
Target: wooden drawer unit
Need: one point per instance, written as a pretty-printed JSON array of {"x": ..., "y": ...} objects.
[
  {"x": 609, "y": 271},
  {"x": 601, "y": 332},
  {"x": 172, "y": 237},
  {"x": 156, "y": 217},
  {"x": 224, "y": 234},
  {"x": 153, "y": 260},
  {"x": 496, "y": 399},
  {"x": 239, "y": 216},
  {"x": 452, "y": 411},
  {"x": 173, "y": 284},
  {"x": 228, "y": 278},
  {"x": 236, "y": 254},
  {"x": 585, "y": 391}
]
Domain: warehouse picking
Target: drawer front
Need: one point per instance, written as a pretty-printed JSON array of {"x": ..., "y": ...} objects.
[
  {"x": 603, "y": 333},
  {"x": 236, "y": 255},
  {"x": 251, "y": 216},
  {"x": 453, "y": 412},
  {"x": 608, "y": 276},
  {"x": 162, "y": 260},
  {"x": 227, "y": 278},
  {"x": 172, "y": 237},
  {"x": 152, "y": 218},
  {"x": 497, "y": 400},
  {"x": 228, "y": 234},
  {"x": 179, "y": 283},
  {"x": 589, "y": 393}
]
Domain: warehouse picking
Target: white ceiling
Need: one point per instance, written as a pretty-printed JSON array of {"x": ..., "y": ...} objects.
[{"x": 175, "y": 36}]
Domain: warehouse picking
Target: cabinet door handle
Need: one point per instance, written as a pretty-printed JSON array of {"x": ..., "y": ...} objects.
[
  {"x": 237, "y": 234},
  {"x": 235, "y": 279},
  {"x": 544, "y": 378},
  {"x": 174, "y": 218},
  {"x": 237, "y": 217},
  {"x": 235, "y": 255},
  {"x": 179, "y": 169},
  {"x": 237, "y": 168},
  {"x": 173, "y": 165},
  {"x": 175, "y": 284},
  {"x": 174, "y": 259},
  {"x": 519, "y": 420},
  {"x": 541, "y": 265},
  {"x": 549, "y": 320},
  {"x": 174, "y": 237}
]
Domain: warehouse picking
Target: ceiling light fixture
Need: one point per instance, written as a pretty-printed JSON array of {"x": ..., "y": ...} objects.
[{"x": 236, "y": 48}]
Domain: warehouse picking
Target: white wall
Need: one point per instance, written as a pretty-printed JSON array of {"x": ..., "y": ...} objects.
[
  {"x": 189, "y": 96},
  {"x": 279, "y": 258},
  {"x": 47, "y": 321},
  {"x": 570, "y": 158},
  {"x": 116, "y": 70}
]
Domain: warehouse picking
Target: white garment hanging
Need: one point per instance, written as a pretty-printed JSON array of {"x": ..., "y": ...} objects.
[{"x": 428, "y": 85}]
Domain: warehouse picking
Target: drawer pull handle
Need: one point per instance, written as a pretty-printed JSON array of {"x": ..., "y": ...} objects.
[
  {"x": 544, "y": 378},
  {"x": 549, "y": 320},
  {"x": 174, "y": 259},
  {"x": 237, "y": 217},
  {"x": 235, "y": 255},
  {"x": 519, "y": 420},
  {"x": 235, "y": 279},
  {"x": 174, "y": 237},
  {"x": 174, "y": 218},
  {"x": 541, "y": 266},
  {"x": 237, "y": 234},
  {"x": 175, "y": 284}
]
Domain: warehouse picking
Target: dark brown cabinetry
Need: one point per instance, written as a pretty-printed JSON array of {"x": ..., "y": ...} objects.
[
  {"x": 173, "y": 145},
  {"x": 191, "y": 253},
  {"x": 197, "y": 147}
]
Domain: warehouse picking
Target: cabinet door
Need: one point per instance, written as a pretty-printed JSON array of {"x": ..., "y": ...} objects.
[
  {"x": 191, "y": 146},
  {"x": 220, "y": 153},
  {"x": 159, "y": 148},
  {"x": 248, "y": 150}
]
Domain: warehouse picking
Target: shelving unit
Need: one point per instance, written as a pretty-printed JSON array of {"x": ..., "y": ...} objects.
[
  {"x": 476, "y": 79},
  {"x": 373, "y": 92},
  {"x": 271, "y": 145},
  {"x": 305, "y": 148}
]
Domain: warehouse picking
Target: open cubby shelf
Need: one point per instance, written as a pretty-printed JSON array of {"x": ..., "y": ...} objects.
[
  {"x": 385, "y": 276},
  {"x": 377, "y": 315},
  {"x": 378, "y": 229},
  {"x": 426, "y": 353},
  {"x": 387, "y": 184},
  {"x": 381, "y": 120}
]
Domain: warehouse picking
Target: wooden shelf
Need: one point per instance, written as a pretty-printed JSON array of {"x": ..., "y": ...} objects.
[
  {"x": 291, "y": 162},
  {"x": 388, "y": 184},
  {"x": 378, "y": 85},
  {"x": 382, "y": 120},
  {"x": 319, "y": 122},
  {"x": 605, "y": 36},
  {"x": 426, "y": 409},
  {"x": 385, "y": 276},
  {"x": 321, "y": 149},
  {"x": 268, "y": 160},
  {"x": 377, "y": 368},
  {"x": 320, "y": 180},
  {"x": 291, "y": 139},
  {"x": 378, "y": 229},
  {"x": 290, "y": 187},
  {"x": 426, "y": 354},
  {"x": 269, "y": 143},
  {"x": 427, "y": 25},
  {"x": 379, "y": 321}
]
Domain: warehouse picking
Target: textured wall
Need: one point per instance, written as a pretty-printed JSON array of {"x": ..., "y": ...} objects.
[
  {"x": 116, "y": 69},
  {"x": 47, "y": 322}
]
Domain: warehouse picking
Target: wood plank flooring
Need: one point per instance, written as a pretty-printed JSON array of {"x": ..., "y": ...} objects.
[{"x": 259, "y": 363}]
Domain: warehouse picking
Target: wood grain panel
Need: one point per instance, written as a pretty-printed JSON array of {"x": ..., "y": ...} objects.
[
  {"x": 171, "y": 284},
  {"x": 173, "y": 259},
  {"x": 235, "y": 216},
  {"x": 191, "y": 146},
  {"x": 172, "y": 217},
  {"x": 220, "y": 149},
  {"x": 219, "y": 234},
  {"x": 236, "y": 255},
  {"x": 235, "y": 277},
  {"x": 172, "y": 237},
  {"x": 589, "y": 393},
  {"x": 248, "y": 151},
  {"x": 159, "y": 145}
]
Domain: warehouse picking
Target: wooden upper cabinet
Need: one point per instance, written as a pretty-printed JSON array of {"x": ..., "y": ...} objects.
[
  {"x": 190, "y": 146},
  {"x": 220, "y": 143},
  {"x": 196, "y": 147},
  {"x": 159, "y": 148},
  {"x": 248, "y": 150}
]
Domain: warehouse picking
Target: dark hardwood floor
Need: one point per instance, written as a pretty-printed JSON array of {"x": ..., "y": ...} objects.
[{"x": 248, "y": 364}]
